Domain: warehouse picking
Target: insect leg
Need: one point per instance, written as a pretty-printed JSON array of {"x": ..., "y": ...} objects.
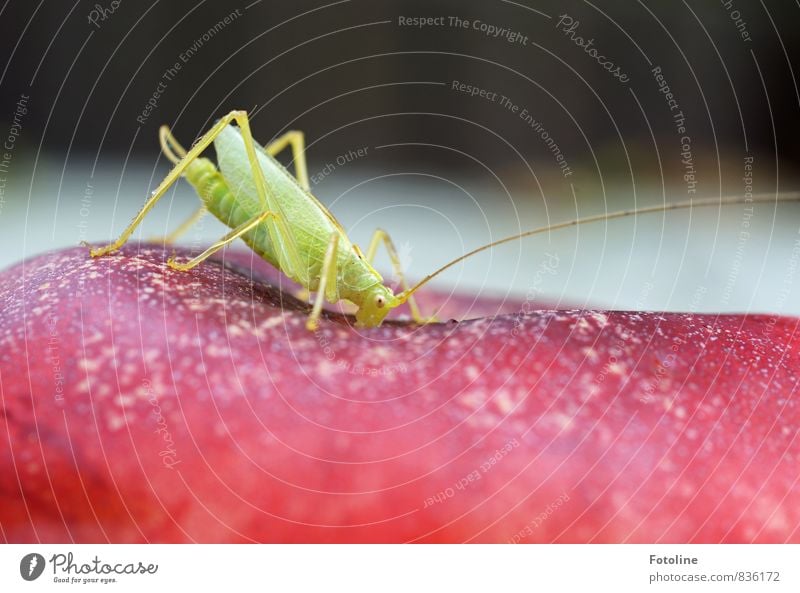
[
  {"x": 302, "y": 294},
  {"x": 184, "y": 226},
  {"x": 171, "y": 177},
  {"x": 382, "y": 236},
  {"x": 297, "y": 140},
  {"x": 180, "y": 166},
  {"x": 279, "y": 232},
  {"x": 227, "y": 239},
  {"x": 327, "y": 281},
  {"x": 170, "y": 145}
]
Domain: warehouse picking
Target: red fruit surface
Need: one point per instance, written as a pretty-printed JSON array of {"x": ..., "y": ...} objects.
[{"x": 144, "y": 404}]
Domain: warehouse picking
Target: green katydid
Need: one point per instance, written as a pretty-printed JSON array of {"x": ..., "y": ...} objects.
[{"x": 275, "y": 213}]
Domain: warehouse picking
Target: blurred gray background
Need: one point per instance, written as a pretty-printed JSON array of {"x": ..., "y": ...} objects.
[{"x": 85, "y": 88}]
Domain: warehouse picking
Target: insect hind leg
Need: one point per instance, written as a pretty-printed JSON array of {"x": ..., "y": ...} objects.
[
  {"x": 226, "y": 240},
  {"x": 171, "y": 144},
  {"x": 182, "y": 228},
  {"x": 181, "y": 163}
]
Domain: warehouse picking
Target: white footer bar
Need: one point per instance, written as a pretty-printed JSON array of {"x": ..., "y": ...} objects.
[{"x": 414, "y": 568}]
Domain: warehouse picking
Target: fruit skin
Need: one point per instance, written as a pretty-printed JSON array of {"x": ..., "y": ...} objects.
[{"x": 143, "y": 404}]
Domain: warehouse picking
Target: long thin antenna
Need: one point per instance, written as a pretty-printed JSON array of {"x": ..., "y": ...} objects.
[{"x": 761, "y": 198}]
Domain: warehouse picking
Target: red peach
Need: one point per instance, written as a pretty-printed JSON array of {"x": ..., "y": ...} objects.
[{"x": 144, "y": 404}]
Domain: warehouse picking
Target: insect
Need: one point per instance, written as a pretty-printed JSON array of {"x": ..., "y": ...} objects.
[{"x": 275, "y": 213}]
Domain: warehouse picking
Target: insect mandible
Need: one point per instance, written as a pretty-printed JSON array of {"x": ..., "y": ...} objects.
[{"x": 275, "y": 213}]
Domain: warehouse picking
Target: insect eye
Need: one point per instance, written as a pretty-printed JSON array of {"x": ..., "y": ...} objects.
[{"x": 379, "y": 301}]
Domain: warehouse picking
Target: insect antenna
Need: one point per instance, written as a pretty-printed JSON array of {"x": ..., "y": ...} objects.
[{"x": 761, "y": 198}]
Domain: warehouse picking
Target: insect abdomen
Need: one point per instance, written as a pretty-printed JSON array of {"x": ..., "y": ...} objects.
[
  {"x": 231, "y": 210},
  {"x": 213, "y": 190},
  {"x": 209, "y": 184}
]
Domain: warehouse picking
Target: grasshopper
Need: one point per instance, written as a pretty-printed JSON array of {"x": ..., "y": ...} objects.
[{"x": 275, "y": 213}]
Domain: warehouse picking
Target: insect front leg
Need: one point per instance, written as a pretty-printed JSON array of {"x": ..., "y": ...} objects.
[
  {"x": 297, "y": 140},
  {"x": 381, "y": 236},
  {"x": 327, "y": 281},
  {"x": 227, "y": 239}
]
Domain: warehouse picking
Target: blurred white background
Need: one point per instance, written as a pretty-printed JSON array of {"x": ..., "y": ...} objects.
[{"x": 677, "y": 261}]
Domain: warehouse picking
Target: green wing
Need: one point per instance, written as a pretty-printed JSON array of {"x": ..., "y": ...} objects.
[{"x": 308, "y": 224}]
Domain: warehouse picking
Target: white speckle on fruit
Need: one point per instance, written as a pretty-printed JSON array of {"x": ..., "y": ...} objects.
[
  {"x": 88, "y": 364},
  {"x": 126, "y": 400},
  {"x": 115, "y": 422},
  {"x": 503, "y": 401}
]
